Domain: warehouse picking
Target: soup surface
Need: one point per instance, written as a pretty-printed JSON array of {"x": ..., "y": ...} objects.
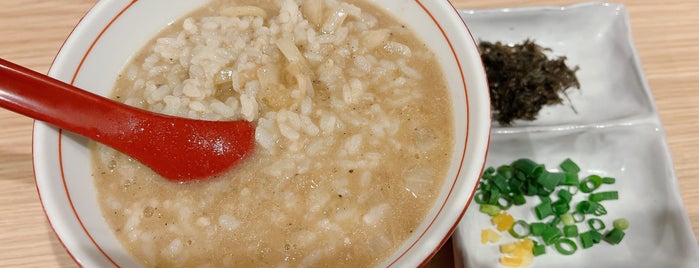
[{"x": 353, "y": 137}]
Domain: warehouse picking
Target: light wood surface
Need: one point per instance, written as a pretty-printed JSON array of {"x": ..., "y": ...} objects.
[{"x": 666, "y": 35}]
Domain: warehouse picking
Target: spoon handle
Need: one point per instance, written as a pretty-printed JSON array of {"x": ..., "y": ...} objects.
[
  {"x": 46, "y": 99},
  {"x": 179, "y": 149}
]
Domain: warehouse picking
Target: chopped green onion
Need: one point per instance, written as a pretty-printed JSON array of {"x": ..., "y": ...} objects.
[
  {"x": 526, "y": 166},
  {"x": 554, "y": 221},
  {"x": 505, "y": 170},
  {"x": 501, "y": 183},
  {"x": 544, "y": 191},
  {"x": 543, "y": 210},
  {"x": 507, "y": 185},
  {"x": 489, "y": 170},
  {"x": 523, "y": 229},
  {"x": 586, "y": 207},
  {"x": 589, "y": 238},
  {"x": 596, "y": 224},
  {"x": 493, "y": 196},
  {"x": 549, "y": 180},
  {"x": 565, "y": 195},
  {"x": 600, "y": 210},
  {"x": 484, "y": 186},
  {"x": 568, "y": 166},
  {"x": 538, "y": 250},
  {"x": 560, "y": 207},
  {"x": 621, "y": 224},
  {"x": 590, "y": 183},
  {"x": 608, "y": 180},
  {"x": 590, "y": 207},
  {"x": 571, "y": 179},
  {"x": 537, "y": 228},
  {"x": 603, "y": 196},
  {"x": 516, "y": 186},
  {"x": 545, "y": 199},
  {"x": 491, "y": 210},
  {"x": 551, "y": 234},
  {"x": 566, "y": 246},
  {"x": 532, "y": 189},
  {"x": 519, "y": 200},
  {"x": 596, "y": 236},
  {"x": 614, "y": 236},
  {"x": 570, "y": 230},
  {"x": 480, "y": 197},
  {"x": 539, "y": 171},
  {"x": 567, "y": 219},
  {"x": 504, "y": 203},
  {"x": 586, "y": 240}
]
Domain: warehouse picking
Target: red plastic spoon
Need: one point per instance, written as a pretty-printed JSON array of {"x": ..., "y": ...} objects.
[{"x": 179, "y": 149}]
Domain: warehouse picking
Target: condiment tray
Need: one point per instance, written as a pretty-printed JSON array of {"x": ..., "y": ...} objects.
[{"x": 609, "y": 127}]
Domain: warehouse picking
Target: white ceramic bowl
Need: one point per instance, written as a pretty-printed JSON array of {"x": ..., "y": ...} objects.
[{"x": 114, "y": 30}]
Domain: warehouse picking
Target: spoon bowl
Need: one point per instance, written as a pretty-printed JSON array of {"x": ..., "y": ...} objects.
[{"x": 179, "y": 149}]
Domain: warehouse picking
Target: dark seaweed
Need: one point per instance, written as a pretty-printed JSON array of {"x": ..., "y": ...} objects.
[{"x": 523, "y": 79}]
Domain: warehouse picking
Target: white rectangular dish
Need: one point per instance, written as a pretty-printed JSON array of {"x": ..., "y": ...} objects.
[{"x": 615, "y": 132}]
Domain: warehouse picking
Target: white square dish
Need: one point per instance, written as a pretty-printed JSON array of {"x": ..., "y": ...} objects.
[
  {"x": 594, "y": 37},
  {"x": 616, "y": 132}
]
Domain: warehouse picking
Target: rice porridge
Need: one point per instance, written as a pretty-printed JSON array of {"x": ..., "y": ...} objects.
[{"x": 353, "y": 137}]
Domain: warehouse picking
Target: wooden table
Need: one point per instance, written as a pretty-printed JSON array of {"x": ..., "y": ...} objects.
[{"x": 32, "y": 31}]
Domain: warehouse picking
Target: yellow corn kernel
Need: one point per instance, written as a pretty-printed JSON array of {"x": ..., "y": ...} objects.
[
  {"x": 488, "y": 235},
  {"x": 521, "y": 251},
  {"x": 498, "y": 218},
  {"x": 527, "y": 243},
  {"x": 527, "y": 260},
  {"x": 508, "y": 247},
  {"x": 503, "y": 221}
]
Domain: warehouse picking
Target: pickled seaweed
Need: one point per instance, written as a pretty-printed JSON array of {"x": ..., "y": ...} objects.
[{"x": 522, "y": 79}]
